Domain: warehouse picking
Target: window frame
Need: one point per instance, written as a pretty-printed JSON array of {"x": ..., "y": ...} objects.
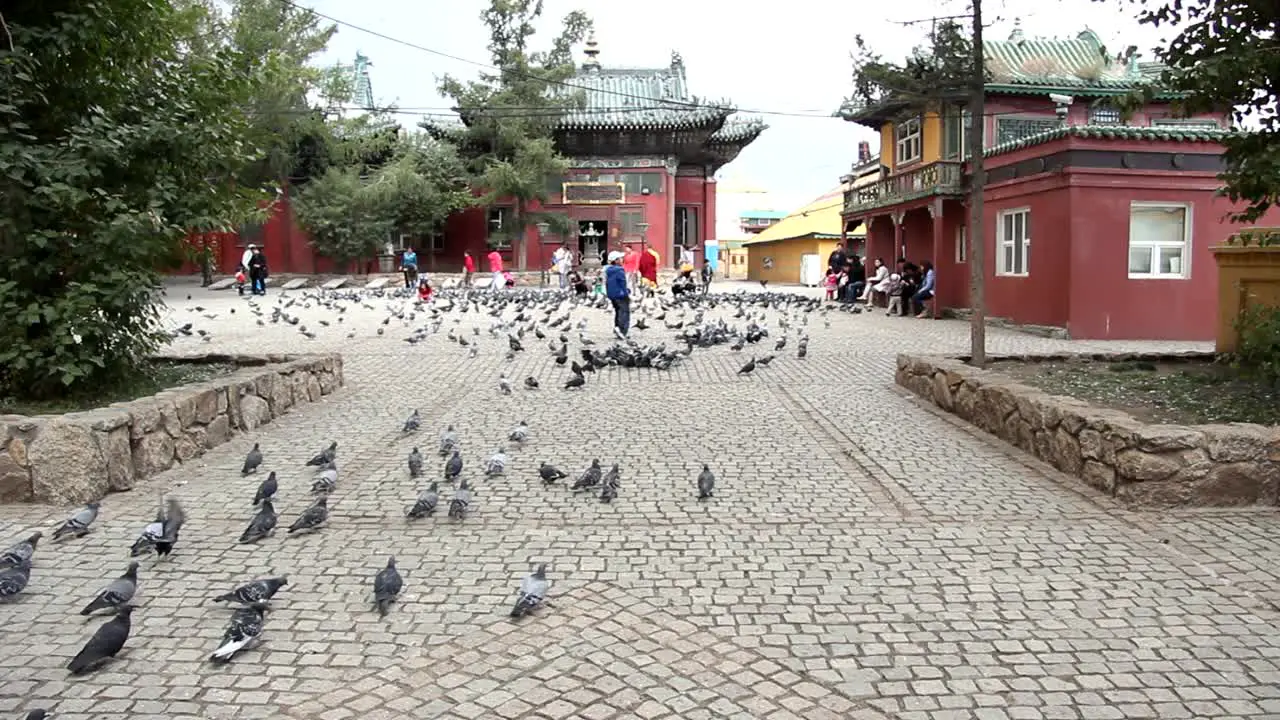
[
  {"x": 1106, "y": 115},
  {"x": 901, "y": 137},
  {"x": 1185, "y": 245},
  {"x": 1024, "y": 243},
  {"x": 1187, "y": 123},
  {"x": 501, "y": 243},
  {"x": 1049, "y": 122},
  {"x": 962, "y": 245}
]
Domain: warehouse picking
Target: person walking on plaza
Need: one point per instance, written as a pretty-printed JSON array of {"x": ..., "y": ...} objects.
[
  {"x": 495, "y": 269},
  {"x": 631, "y": 266},
  {"x": 648, "y": 268},
  {"x": 562, "y": 263},
  {"x": 409, "y": 266},
  {"x": 468, "y": 268},
  {"x": 615, "y": 288},
  {"x": 258, "y": 272}
]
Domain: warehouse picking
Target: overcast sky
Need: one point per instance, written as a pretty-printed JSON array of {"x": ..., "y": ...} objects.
[{"x": 790, "y": 57}]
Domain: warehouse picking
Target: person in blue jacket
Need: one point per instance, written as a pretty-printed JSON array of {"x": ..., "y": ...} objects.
[{"x": 615, "y": 288}]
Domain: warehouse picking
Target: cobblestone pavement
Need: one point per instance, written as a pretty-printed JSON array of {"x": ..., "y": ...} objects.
[{"x": 863, "y": 557}]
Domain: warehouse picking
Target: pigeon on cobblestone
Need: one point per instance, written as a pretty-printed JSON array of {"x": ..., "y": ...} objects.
[
  {"x": 453, "y": 467},
  {"x": 504, "y": 384},
  {"x": 412, "y": 424},
  {"x": 267, "y": 489},
  {"x": 609, "y": 485},
  {"x": 146, "y": 541},
  {"x": 262, "y": 525},
  {"x": 14, "y": 580},
  {"x": 252, "y": 461},
  {"x": 532, "y": 592},
  {"x": 520, "y": 433},
  {"x": 497, "y": 463},
  {"x": 387, "y": 585},
  {"x": 550, "y": 473},
  {"x": 448, "y": 441},
  {"x": 415, "y": 463},
  {"x": 117, "y": 593},
  {"x": 426, "y": 503},
  {"x": 325, "y": 482},
  {"x": 746, "y": 369},
  {"x": 461, "y": 501},
  {"x": 589, "y": 478},
  {"x": 20, "y": 552},
  {"x": 38, "y": 714},
  {"x": 531, "y": 383},
  {"x": 706, "y": 482},
  {"x": 161, "y": 534},
  {"x": 313, "y": 517},
  {"x": 576, "y": 381},
  {"x": 256, "y": 591},
  {"x": 106, "y": 642},
  {"x": 243, "y": 632},
  {"x": 325, "y": 456},
  {"x": 78, "y": 525}
]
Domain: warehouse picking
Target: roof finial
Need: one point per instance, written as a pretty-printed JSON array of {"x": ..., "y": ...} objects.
[
  {"x": 676, "y": 59},
  {"x": 1016, "y": 35},
  {"x": 592, "y": 51}
]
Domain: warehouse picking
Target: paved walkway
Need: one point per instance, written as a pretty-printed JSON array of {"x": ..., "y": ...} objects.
[{"x": 864, "y": 557}]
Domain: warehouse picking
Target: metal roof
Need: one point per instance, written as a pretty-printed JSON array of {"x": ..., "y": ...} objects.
[
  {"x": 1113, "y": 132},
  {"x": 1082, "y": 63}
]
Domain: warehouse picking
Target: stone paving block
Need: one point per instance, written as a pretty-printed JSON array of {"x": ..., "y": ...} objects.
[
  {"x": 376, "y": 284},
  {"x": 222, "y": 284},
  {"x": 334, "y": 284},
  {"x": 296, "y": 284}
]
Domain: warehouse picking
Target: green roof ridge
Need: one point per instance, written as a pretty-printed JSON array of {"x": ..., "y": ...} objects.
[{"x": 1170, "y": 133}]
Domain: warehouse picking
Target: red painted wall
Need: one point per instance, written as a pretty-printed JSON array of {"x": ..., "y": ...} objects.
[{"x": 1008, "y": 106}]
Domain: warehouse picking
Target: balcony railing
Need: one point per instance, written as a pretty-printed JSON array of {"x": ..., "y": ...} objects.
[{"x": 939, "y": 178}]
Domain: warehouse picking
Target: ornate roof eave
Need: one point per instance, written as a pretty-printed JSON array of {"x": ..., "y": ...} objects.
[
  {"x": 1090, "y": 91},
  {"x": 672, "y": 117},
  {"x": 1107, "y": 132}
]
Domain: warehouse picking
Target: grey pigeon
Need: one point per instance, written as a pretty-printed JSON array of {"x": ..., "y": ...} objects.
[
  {"x": 242, "y": 632},
  {"x": 262, "y": 525},
  {"x": 105, "y": 643},
  {"x": 324, "y": 457},
  {"x": 119, "y": 592},
  {"x": 608, "y": 491},
  {"x": 20, "y": 552},
  {"x": 326, "y": 481},
  {"x": 496, "y": 464},
  {"x": 78, "y": 525},
  {"x": 387, "y": 585},
  {"x": 448, "y": 441},
  {"x": 38, "y": 714},
  {"x": 267, "y": 489},
  {"x": 174, "y": 518},
  {"x": 504, "y": 384},
  {"x": 14, "y": 580},
  {"x": 520, "y": 433},
  {"x": 549, "y": 473},
  {"x": 531, "y": 382},
  {"x": 256, "y": 591},
  {"x": 426, "y": 502},
  {"x": 461, "y": 501},
  {"x": 706, "y": 482},
  {"x": 252, "y": 461},
  {"x": 453, "y": 468},
  {"x": 532, "y": 593},
  {"x": 412, "y": 424},
  {"x": 415, "y": 463},
  {"x": 146, "y": 541},
  {"x": 590, "y": 477},
  {"x": 313, "y": 517}
]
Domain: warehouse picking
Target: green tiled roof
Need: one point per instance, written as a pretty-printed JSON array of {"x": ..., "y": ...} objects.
[
  {"x": 1113, "y": 132},
  {"x": 1080, "y": 65},
  {"x": 640, "y": 99},
  {"x": 738, "y": 131}
]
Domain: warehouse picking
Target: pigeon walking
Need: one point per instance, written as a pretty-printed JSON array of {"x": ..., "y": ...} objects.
[
  {"x": 412, "y": 424},
  {"x": 14, "y": 580},
  {"x": 254, "y": 592},
  {"x": 461, "y": 501},
  {"x": 325, "y": 482},
  {"x": 746, "y": 369},
  {"x": 174, "y": 518},
  {"x": 242, "y": 633},
  {"x": 117, "y": 593},
  {"x": 706, "y": 483},
  {"x": 387, "y": 585},
  {"x": 448, "y": 441},
  {"x": 415, "y": 463},
  {"x": 105, "y": 644},
  {"x": 426, "y": 503},
  {"x": 324, "y": 457},
  {"x": 504, "y": 384},
  {"x": 496, "y": 464},
  {"x": 576, "y": 381},
  {"x": 520, "y": 433},
  {"x": 453, "y": 468},
  {"x": 267, "y": 489},
  {"x": 532, "y": 593},
  {"x": 531, "y": 383},
  {"x": 78, "y": 525},
  {"x": 20, "y": 552},
  {"x": 550, "y": 473},
  {"x": 590, "y": 477},
  {"x": 313, "y": 517},
  {"x": 262, "y": 525},
  {"x": 252, "y": 461}
]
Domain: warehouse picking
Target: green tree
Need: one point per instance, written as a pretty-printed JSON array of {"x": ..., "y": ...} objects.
[
  {"x": 118, "y": 135},
  {"x": 344, "y": 218},
  {"x": 936, "y": 73},
  {"x": 1225, "y": 56},
  {"x": 510, "y": 114},
  {"x": 422, "y": 186}
]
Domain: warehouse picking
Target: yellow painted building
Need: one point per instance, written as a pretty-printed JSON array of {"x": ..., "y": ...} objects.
[{"x": 777, "y": 254}]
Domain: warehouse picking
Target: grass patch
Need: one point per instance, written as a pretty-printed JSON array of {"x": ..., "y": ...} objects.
[
  {"x": 1184, "y": 393},
  {"x": 156, "y": 376}
]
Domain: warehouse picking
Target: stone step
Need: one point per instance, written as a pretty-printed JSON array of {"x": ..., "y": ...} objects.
[
  {"x": 376, "y": 284},
  {"x": 334, "y": 284},
  {"x": 222, "y": 284},
  {"x": 296, "y": 284}
]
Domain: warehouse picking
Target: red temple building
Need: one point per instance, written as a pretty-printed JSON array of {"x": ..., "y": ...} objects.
[
  {"x": 1094, "y": 222},
  {"x": 644, "y": 154}
]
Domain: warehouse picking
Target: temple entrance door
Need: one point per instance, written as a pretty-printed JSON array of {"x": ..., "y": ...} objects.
[{"x": 593, "y": 236}]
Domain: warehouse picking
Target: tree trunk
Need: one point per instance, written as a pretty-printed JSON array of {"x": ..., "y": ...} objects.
[
  {"x": 977, "y": 179},
  {"x": 522, "y": 262}
]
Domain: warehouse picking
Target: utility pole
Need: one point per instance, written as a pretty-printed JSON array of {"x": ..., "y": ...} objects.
[{"x": 977, "y": 179}]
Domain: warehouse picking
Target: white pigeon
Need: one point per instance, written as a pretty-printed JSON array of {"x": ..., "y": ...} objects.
[
  {"x": 497, "y": 463},
  {"x": 520, "y": 433},
  {"x": 504, "y": 384}
]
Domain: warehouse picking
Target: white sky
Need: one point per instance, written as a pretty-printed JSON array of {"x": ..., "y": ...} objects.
[{"x": 788, "y": 57}]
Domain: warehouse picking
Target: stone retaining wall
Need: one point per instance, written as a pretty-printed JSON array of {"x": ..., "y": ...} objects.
[
  {"x": 80, "y": 457},
  {"x": 1154, "y": 465}
]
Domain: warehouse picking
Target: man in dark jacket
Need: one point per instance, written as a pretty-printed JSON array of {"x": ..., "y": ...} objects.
[
  {"x": 615, "y": 288},
  {"x": 258, "y": 272},
  {"x": 837, "y": 259}
]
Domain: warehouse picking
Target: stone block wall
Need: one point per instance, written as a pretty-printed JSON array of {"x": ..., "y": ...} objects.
[
  {"x": 82, "y": 456},
  {"x": 1146, "y": 464}
]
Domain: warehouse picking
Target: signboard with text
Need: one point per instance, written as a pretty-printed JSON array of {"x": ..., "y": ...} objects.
[{"x": 594, "y": 193}]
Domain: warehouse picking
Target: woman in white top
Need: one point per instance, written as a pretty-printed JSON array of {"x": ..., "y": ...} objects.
[
  {"x": 879, "y": 282},
  {"x": 247, "y": 256}
]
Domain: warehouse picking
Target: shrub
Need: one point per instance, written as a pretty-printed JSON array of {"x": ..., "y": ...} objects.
[{"x": 1258, "y": 351}]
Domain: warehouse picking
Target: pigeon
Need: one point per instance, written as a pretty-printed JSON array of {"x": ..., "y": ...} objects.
[
  {"x": 504, "y": 384},
  {"x": 520, "y": 433},
  {"x": 325, "y": 482},
  {"x": 38, "y": 714},
  {"x": 415, "y": 463},
  {"x": 256, "y": 591},
  {"x": 412, "y": 424},
  {"x": 324, "y": 457},
  {"x": 267, "y": 489},
  {"x": 105, "y": 643},
  {"x": 161, "y": 534},
  {"x": 20, "y": 552},
  {"x": 262, "y": 525},
  {"x": 590, "y": 477},
  {"x": 387, "y": 585},
  {"x": 426, "y": 503},
  {"x": 746, "y": 369},
  {"x": 496, "y": 464},
  {"x": 243, "y": 631},
  {"x": 14, "y": 580},
  {"x": 461, "y": 501},
  {"x": 706, "y": 482},
  {"x": 313, "y": 517},
  {"x": 549, "y": 473},
  {"x": 252, "y": 461},
  {"x": 533, "y": 591},
  {"x": 146, "y": 541},
  {"x": 576, "y": 381},
  {"x": 119, "y": 592},
  {"x": 448, "y": 441},
  {"x": 453, "y": 468},
  {"x": 78, "y": 525},
  {"x": 608, "y": 490},
  {"x": 531, "y": 383}
]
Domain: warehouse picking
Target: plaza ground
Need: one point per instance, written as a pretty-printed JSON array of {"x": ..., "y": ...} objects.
[{"x": 864, "y": 556}]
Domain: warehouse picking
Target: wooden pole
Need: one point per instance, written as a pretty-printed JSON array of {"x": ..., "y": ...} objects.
[{"x": 977, "y": 179}]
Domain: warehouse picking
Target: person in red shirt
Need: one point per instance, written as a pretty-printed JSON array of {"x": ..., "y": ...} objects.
[
  {"x": 631, "y": 266},
  {"x": 468, "y": 267},
  {"x": 424, "y": 290},
  {"x": 495, "y": 267}
]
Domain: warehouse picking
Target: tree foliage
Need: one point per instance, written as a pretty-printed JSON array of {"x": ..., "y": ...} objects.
[
  {"x": 510, "y": 113},
  {"x": 936, "y": 72},
  {"x": 1225, "y": 56},
  {"x": 119, "y": 132}
]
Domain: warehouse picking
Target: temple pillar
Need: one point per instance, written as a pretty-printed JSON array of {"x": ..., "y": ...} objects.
[{"x": 936, "y": 218}]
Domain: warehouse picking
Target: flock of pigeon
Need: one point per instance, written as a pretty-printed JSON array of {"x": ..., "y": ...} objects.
[{"x": 511, "y": 316}]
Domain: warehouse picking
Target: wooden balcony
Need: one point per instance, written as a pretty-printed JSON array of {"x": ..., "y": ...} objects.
[{"x": 940, "y": 178}]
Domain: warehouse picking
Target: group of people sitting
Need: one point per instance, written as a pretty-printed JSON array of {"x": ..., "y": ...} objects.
[{"x": 906, "y": 289}]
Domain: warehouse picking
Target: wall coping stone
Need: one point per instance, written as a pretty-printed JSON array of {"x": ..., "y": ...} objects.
[
  {"x": 80, "y": 457},
  {"x": 1146, "y": 464}
]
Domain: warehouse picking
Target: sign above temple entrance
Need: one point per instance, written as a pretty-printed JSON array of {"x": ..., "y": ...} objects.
[{"x": 594, "y": 193}]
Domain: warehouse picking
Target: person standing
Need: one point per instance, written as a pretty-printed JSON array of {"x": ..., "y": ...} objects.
[
  {"x": 468, "y": 267},
  {"x": 837, "y": 258},
  {"x": 648, "y": 268},
  {"x": 562, "y": 263},
  {"x": 258, "y": 272},
  {"x": 631, "y": 266},
  {"x": 686, "y": 258},
  {"x": 495, "y": 269},
  {"x": 615, "y": 288},
  {"x": 409, "y": 266},
  {"x": 247, "y": 256}
]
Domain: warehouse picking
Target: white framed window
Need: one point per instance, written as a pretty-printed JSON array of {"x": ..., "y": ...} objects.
[
  {"x": 1013, "y": 240},
  {"x": 962, "y": 244},
  {"x": 907, "y": 135},
  {"x": 1159, "y": 240},
  {"x": 1187, "y": 124},
  {"x": 499, "y": 217}
]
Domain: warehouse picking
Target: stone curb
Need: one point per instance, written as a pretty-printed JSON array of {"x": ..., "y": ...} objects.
[
  {"x": 81, "y": 457},
  {"x": 1149, "y": 465}
]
